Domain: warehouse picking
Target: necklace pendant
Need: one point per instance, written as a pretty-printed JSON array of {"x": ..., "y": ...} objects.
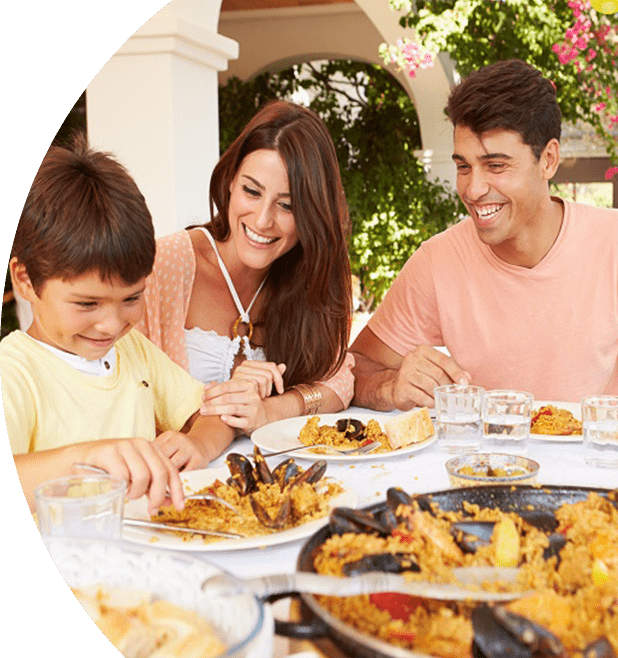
[{"x": 248, "y": 324}]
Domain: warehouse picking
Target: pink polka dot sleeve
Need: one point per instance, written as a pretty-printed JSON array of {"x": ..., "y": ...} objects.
[
  {"x": 167, "y": 294},
  {"x": 342, "y": 382}
]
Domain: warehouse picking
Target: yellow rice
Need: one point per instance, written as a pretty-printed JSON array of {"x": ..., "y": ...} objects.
[{"x": 566, "y": 600}]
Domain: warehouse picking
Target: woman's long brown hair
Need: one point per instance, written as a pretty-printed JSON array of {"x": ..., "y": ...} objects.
[{"x": 307, "y": 303}]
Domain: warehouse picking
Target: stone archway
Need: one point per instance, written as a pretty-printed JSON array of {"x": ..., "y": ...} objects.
[{"x": 284, "y": 32}]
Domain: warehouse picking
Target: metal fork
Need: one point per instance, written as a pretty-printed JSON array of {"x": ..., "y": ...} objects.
[
  {"x": 369, "y": 447},
  {"x": 198, "y": 496}
]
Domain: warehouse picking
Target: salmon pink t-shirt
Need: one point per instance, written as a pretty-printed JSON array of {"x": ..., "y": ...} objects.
[{"x": 551, "y": 329}]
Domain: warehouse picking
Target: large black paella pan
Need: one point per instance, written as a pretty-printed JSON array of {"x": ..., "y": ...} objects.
[{"x": 535, "y": 504}]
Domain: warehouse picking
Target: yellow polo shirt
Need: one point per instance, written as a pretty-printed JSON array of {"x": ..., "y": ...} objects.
[{"x": 49, "y": 404}]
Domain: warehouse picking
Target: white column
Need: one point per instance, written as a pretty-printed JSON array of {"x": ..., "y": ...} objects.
[{"x": 155, "y": 106}]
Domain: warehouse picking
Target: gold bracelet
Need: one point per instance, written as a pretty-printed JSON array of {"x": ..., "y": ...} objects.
[{"x": 312, "y": 397}]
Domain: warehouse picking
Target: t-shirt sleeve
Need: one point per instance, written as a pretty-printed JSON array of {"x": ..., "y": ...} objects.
[
  {"x": 408, "y": 314},
  {"x": 19, "y": 407}
]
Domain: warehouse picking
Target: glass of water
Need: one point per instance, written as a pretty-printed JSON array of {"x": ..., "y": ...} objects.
[
  {"x": 81, "y": 506},
  {"x": 600, "y": 427},
  {"x": 458, "y": 417},
  {"x": 506, "y": 421}
]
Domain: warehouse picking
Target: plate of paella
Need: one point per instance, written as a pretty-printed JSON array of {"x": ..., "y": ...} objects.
[
  {"x": 343, "y": 433},
  {"x": 556, "y": 421},
  {"x": 290, "y": 504}
]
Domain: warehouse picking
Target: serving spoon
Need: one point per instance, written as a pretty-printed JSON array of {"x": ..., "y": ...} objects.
[{"x": 469, "y": 587}]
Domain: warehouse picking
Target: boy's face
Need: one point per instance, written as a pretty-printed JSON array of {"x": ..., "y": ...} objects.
[{"x": 85, "y": 315}]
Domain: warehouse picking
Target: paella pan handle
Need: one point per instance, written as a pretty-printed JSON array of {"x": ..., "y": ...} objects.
[
  {"x": 271, "y": 589},
  {"x": 312, "y": 628}
]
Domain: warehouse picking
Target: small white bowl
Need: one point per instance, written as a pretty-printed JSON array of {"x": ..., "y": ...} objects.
[{"x": 476, "y": 470}]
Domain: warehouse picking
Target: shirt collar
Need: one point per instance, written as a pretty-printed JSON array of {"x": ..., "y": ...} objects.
[{"x": 103, "y": 367}]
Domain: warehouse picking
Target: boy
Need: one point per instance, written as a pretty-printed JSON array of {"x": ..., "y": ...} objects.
[{"x": 80, "y": 377}]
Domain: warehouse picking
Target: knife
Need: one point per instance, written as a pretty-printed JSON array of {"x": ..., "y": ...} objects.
[{"x": 139, "y": 523}]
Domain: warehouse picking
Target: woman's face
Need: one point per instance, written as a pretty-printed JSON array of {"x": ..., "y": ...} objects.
[{"x": 262, "y": 225}]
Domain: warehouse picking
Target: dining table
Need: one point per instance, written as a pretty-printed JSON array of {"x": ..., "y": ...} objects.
[
  {"x": 561, "y": 463},
  {"x": 420, "y": 470}
]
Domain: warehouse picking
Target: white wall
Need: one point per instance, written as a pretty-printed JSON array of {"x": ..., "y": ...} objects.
[{"x": 155, "y": 105}]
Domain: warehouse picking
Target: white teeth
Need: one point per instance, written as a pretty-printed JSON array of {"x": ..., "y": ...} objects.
[
  {"x": 252, "y": 235},
  {"x": 487, "y": 212}
]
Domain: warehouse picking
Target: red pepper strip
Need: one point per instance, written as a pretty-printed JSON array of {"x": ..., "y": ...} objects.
[
  {"x": 365, "y": 442},
  {"x": 406, "y": 636},
  {"x": 403, "y": 535},
  {"x": 545, "y": 412},
  {"x": 400, "y": 606}
]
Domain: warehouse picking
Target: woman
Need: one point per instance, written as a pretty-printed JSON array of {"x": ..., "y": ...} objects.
[{"x": 258, "y": 300}]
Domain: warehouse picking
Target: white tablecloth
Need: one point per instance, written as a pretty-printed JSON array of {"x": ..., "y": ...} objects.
[
  {"x": 419, "y": 472},
  {"x": 561, "y": 463}
]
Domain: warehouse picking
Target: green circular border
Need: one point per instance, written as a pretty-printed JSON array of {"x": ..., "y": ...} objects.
[{"x": 51, "y": 51}]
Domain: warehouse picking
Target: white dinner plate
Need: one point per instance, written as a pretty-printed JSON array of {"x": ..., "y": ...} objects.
[
  {"x": 194, "y": 481},
  {"x": 573, "y": 407},
  {"x": 283, "y": 435}
]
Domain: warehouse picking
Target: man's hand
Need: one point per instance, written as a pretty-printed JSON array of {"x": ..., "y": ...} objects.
[
  {"x": 385, "y": 380},
  {"x": 420, "y": 372}
]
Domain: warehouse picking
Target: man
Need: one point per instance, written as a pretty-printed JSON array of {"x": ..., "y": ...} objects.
[{"x": 523, "y": 293}]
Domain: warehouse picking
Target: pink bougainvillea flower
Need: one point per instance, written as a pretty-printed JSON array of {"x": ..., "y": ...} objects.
[{"x": 611, "y": 172}]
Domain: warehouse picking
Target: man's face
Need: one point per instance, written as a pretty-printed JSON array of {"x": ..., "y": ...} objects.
[
  {"x": 85, "y": 315},
  {"x": 501, "y": 184}
]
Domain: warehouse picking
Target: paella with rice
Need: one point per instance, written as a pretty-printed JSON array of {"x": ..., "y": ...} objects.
[
  {"x": 413, "y": 427},
  {"x": 550, "y": 419},
  {"x": 568, "y": 557},
  {"x": 265, "y": 500}
]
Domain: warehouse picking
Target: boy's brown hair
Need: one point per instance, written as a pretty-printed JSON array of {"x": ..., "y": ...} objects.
[
  {"x": 84, "y": 213},
  {"x": 508, "y": 95}
]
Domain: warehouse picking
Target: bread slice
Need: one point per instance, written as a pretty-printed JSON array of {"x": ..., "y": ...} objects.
[{"x": 410, "y": 427}]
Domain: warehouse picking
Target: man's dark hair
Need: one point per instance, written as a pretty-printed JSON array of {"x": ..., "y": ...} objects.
[
  {"x": 84, "y": 213},
  {"x": 508, "y": 95}
]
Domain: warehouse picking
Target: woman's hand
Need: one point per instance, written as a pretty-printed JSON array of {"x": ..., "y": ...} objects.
[
  {"x": 144, "y": 466},
  {"x": 239, "y": 402},
  {"x": 264, "y": 374}
]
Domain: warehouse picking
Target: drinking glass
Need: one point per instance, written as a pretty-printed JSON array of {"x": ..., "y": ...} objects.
[
  {"x": 81, "y": 506},
  {"x": 458, "y": 417},
  {"x": 506, "y": 421},
  {"x": 600, "y": 428}
]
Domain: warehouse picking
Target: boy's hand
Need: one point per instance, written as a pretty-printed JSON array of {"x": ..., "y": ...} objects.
[
  {"x": 184, "y": 452},
  {"x": 143, "y": 464}
]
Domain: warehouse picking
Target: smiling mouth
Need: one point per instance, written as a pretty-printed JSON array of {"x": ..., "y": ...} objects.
[
  {"x": 486, "y": 213},
  {"x": 255, "y": 237},
  {"x": 99, "y": 341}
]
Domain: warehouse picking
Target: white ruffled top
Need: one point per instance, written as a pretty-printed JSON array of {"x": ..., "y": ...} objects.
[{"x": 211, "y": 356}]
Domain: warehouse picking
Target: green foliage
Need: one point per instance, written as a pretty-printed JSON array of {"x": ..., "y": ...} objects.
[
  {"x": 374, "y": 126},
  {"x": 570, "y": 43}
]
